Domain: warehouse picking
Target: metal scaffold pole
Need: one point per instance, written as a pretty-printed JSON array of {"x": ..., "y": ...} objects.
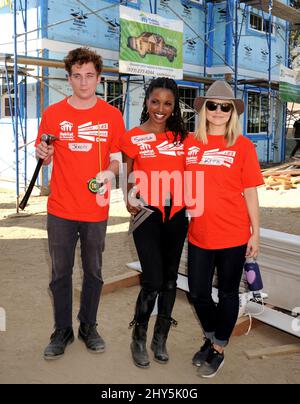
[
  {"x": 25, "y": 96},
  {"x": 16, "y": 123},
  {"x": 269, "y": 126},
  {"x": 205, "y": 38},
  {"x": 236, "y": 43}
]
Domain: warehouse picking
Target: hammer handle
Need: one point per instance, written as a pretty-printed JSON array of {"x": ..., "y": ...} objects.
[{"x": 24, "y": 201}]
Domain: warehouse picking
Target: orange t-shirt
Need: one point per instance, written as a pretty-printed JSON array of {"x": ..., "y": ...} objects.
[
  {"x": 227, "y": 172},
  {"x": 76, "y": 156},
  {"x": 158, "y": 167}
]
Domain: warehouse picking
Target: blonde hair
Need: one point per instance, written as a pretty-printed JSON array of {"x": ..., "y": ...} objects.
[{"x": 233, "y": 127}]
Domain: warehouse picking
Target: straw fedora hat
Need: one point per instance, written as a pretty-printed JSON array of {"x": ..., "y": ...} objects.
[{"x": 219, "y": 90}]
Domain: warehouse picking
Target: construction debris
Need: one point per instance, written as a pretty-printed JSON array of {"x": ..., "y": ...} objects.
[
  {"x": 283, "y": 177},
  {"x": 272, "y": 351}
]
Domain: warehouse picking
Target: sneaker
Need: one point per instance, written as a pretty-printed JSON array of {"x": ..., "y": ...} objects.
[
  {"x": 58, "y": 342},
  {"x": 212, "y": 365},
  {"x": 201, "y": 356},
  {"x": 89, "y": 335}
]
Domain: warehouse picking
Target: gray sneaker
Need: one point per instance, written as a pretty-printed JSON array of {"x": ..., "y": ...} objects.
[
  {"x": 212, "y": 365},
  {"x": 201, "y": 356}
]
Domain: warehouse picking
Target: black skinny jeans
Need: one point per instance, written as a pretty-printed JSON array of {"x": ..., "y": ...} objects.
[
  {"x": 217, "y": 320},
  {"x": 296, "y": 148},
  {"x": 159, "y": 246},
  {"x": 63, "y": 236}
]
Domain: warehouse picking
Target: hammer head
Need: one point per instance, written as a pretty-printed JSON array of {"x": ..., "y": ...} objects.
[{"x": 48, "y": 138}]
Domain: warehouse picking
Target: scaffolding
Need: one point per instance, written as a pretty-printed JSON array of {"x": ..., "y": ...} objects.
[{"x": 20, "y": 63}]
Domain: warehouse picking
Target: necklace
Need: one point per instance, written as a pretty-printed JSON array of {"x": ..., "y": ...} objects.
[{"x": 93, "y": 185}]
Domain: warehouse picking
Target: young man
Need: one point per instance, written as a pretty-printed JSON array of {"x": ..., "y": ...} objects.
[{"x": 87, "y": 132}]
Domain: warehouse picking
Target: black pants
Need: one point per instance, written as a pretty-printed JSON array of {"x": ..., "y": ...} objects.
[
  {"x": 218, "y": 320},
  {"x": 159, "y": 246},
  {"x": 63, "y": 235},
  {"x": 297, "y": 147}
]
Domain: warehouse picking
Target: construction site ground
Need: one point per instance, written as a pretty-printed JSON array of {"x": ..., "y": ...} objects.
[{"x": 25, "y": 270}]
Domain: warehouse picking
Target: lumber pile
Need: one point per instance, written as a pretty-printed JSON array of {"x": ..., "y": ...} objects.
[
  {"x": 279, "y": 259},
  {"x": 272, "y": 351},
  {"x": 285, "y": 176}
]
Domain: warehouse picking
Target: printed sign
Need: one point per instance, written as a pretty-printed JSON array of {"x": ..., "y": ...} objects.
[
  {"x": 150, "y": 45},
  {"x": 289, "y": 85}
]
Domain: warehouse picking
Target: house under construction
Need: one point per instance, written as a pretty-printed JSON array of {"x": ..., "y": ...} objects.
[{"x": 244, "y": 42}]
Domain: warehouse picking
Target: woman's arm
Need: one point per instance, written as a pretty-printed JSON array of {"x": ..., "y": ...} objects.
[
  {"x": 251, "y": 198},
  {"x": 129, "y": 165}
]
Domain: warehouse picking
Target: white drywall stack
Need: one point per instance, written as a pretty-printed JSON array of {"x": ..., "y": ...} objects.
[{"x": 279, "y": 262}]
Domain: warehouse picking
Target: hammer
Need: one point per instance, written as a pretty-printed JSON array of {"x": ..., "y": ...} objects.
[{"x": 48, "y": 139}]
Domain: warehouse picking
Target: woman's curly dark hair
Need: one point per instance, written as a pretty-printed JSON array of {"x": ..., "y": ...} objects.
[{"x": 175, "y": 122}]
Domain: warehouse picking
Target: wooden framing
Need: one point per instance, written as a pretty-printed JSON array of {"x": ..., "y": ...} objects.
[{"x": 272, "y": 351}]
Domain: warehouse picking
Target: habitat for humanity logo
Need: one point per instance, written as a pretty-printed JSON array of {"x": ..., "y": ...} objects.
[
  {"x": 148, "y": 20},
  {"x": 192, "y": 157},
  {"x": 66, "y": 130},
  {"x": 193, "y": 151},
  {"x": 94, "y": 133}
]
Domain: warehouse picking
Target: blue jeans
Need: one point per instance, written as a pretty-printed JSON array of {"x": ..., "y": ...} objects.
[
  {"x": 218, "y": 320},
  {"x": 63, "y": 235}
]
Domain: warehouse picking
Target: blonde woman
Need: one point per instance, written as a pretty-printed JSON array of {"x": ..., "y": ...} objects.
[{"x": 228, "y": 229}]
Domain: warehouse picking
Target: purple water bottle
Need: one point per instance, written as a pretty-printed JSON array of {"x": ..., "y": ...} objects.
[{"x": 253, "y": 275}]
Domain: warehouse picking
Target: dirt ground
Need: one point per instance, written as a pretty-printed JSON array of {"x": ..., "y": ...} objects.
[{"x": 24, "y": 272}]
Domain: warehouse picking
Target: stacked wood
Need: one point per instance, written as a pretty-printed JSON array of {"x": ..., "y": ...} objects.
[{"x": 285, "y": 176}]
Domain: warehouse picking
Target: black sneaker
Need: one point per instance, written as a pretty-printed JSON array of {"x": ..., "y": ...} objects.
[
  {"x": 58, "y": 342},
  {"x": 201, "y": 356},
  {"x": 212, "y": 365},
  {"x": 89, "y": 335}
]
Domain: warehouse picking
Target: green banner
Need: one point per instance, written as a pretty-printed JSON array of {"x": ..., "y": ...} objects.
[
  {"x": 155, "y": 39},
  {"x": 289, "y": 85},
  {"x": 150, "y": 45}
]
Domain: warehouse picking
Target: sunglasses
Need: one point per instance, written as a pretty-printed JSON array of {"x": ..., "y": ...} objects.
[{"x": 212, "y": 106}]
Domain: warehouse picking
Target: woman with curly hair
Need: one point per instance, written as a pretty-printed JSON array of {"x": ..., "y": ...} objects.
[{"x": 154, "y": 154}]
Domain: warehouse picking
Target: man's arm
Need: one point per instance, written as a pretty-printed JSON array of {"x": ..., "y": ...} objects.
[
  {"x": 115, "y": 163},
  {"x": 45, "y": 152},
  {"x": 103, "y": 177}
]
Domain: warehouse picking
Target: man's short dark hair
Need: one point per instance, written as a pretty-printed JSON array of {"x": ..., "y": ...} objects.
[{"x": 81, "y": 56}]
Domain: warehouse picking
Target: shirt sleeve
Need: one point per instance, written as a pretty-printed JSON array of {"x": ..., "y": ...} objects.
[
  {"x": 186, "y": 144},
  {"x": 127, "y": 147},
  {"x": 251, "y": 173},
  {"x": 118, "y": 132}
]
